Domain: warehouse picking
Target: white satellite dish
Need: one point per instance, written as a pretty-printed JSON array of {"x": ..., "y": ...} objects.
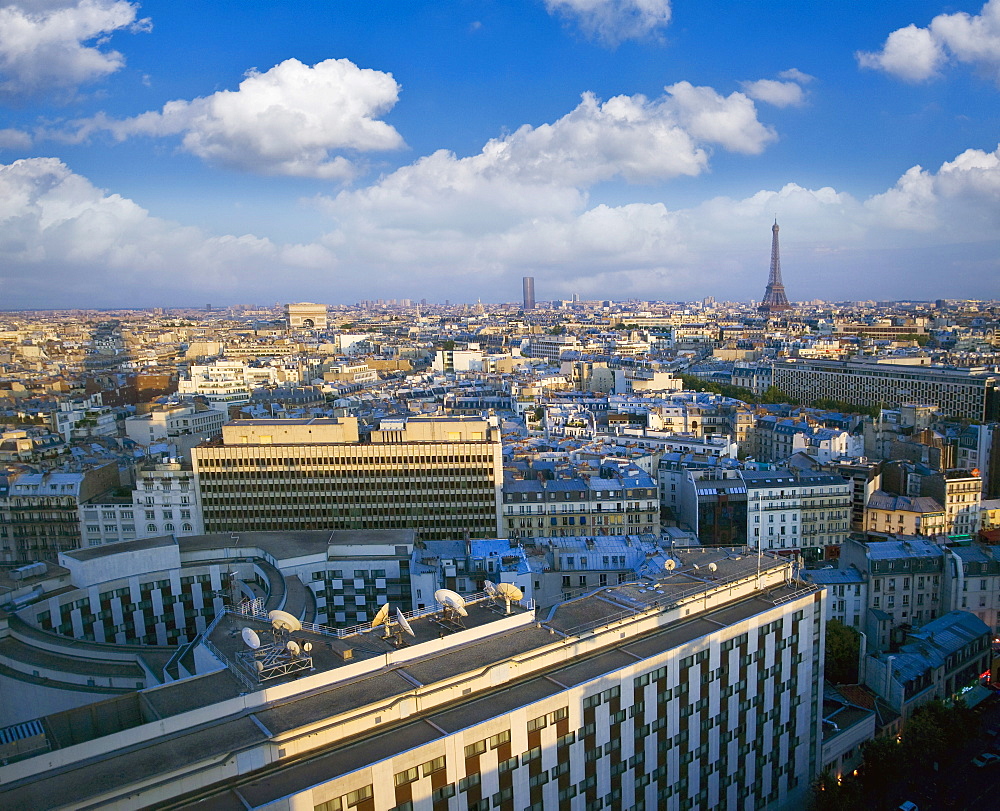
[
  {"x": 307, "y": 646},
  {"x": 696, "y": 566},
  {"x": 713, "y": 567},
  {"x": 259, "y": 665},
  {"x": 293, "y": 647},
  {"x": 453, "y": 600},
  {"x": 670, "y": 565},
  {"x": 250, "y": 638},
  {"x": 283, "y": 621},
  {"x": 381, "y": 617},
  {"x": 403, "y": 622},
  {"x": 490, "y": 588}
]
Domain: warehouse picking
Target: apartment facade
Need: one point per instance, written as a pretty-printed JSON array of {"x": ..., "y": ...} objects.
[
  {"x": 904, "y": 515},
  {"x": 439, "y": 476},
  {"x": 807, "y": 513},
  {"x": 163, "y": 502},
  {"x": 905, "y": 579},
  {"x": 559, "y": 508},
  {"x": 40, "y": 512}
]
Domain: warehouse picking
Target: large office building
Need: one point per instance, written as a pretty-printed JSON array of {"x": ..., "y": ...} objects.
[
  {"x": 959, "y": 393},
  {"x": 696, "y": 687},
  {"x": 440, "y": 476}
]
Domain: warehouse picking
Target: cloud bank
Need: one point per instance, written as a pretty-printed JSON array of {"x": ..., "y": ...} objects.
[{"x": 59, "y": 232}]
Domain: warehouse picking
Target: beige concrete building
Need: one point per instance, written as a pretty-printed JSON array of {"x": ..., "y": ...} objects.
[
  {"x": 904, "y": 515},
  {"x": 439, "y": 476}
]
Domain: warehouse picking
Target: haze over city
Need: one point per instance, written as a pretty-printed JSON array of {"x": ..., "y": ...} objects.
[{"x": 165, "y": 155}]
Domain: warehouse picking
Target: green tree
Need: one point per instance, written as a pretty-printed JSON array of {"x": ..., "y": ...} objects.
[
  {"x": 774, "y": 395},
  {"x": 880, "y": 771},
  {"x": 843, "y": 647},
  {"x": 829, "y": 795}
]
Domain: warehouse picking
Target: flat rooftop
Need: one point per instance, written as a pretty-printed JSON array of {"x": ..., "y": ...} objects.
[
  {"x": 297, "y": 543},
  {"x": 406, "y": 669}
]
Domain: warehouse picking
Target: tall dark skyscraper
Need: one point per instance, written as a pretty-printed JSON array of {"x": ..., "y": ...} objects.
[
  {"x": 775, "y": 300},
  {"x": 528, "y": 286}
]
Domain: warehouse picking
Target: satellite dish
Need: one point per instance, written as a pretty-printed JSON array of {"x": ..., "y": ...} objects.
[
  {"x": 381, "y": 617},
  {"x": 259, "y": 665},
  {"x": 250, "y": 638},
  {"x": 451, "y": 599},
  {"x": 490, "y": 588},
  {"x": 403, "y": 622},
  {"x": 696, "y": 566},
  {"x": 510, "y": 592},
  {"x": 713, "y": 567},
  {"x": 283, "y": 621},
  {"x": 670, "y": 565},
  {"x": 307, "y": 646},
  {"x": 293, "y": 647}
]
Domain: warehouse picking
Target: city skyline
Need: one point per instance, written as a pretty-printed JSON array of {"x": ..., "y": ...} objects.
[{"x": 627, "y": 151}]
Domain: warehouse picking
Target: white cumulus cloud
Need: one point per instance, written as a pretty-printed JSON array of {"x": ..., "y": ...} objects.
[
  {"x": 542, "y": 172},
  {"x": 917, "y": 54},
  {"x": 771, "y": 91},
  {"x": 54, "y": 47},
  {"x": 291, "y": 120},
  {"x": 613, "y": 21}
]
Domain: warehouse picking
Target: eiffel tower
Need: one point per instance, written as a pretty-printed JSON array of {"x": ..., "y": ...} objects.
[{"x": 775, "y": 300}]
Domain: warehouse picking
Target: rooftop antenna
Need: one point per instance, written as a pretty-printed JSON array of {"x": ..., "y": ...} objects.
[
  {"x": 382, "y": 618},
  {"x": 510, "y": 593},
  {"x": 452, "y": 601},
  {"x": 402, "y": 625},
  {"x": 403, "y": 622},
  {"x": 490, "y": 588},
  {"x": 250, "y": 638},
  {"x": 284, "y": 621}
]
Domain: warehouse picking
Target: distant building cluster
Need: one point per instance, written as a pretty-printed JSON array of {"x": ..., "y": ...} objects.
[{"x": 542, "y": 554}]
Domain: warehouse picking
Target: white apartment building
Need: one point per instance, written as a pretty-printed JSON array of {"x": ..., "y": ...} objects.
[
  {"x": 807, "y": 513},
  {"x": 674, "y": 693},
  {"x": 847, "y": 594},
  {"x": 164, "y": 502},
  {"x": 173, "y": 421},
  {"x": 227, "y": 382}
]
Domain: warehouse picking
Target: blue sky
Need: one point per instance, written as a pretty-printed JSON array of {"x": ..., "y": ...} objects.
[{"x": 171, "y": 154}]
